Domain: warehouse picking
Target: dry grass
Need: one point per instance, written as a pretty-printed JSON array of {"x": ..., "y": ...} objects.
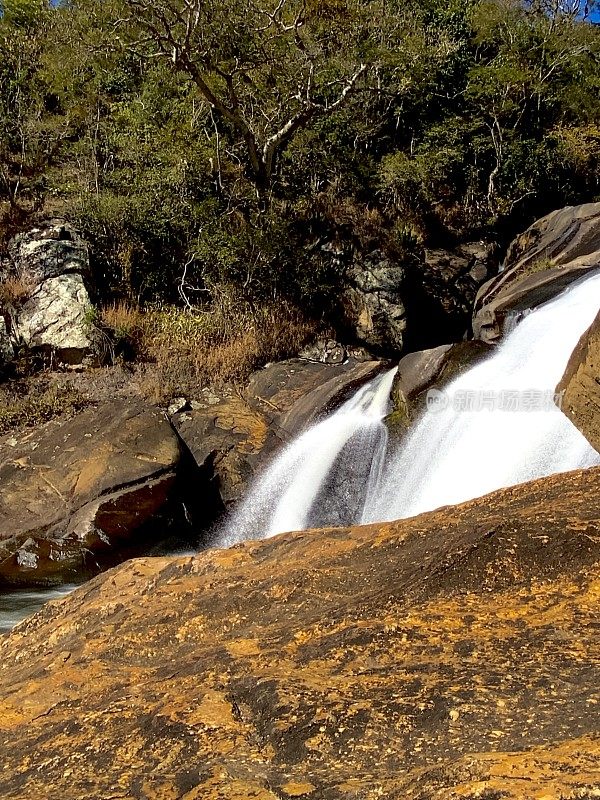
[
  {"x": 192, "y": 349},
  {"x": 25, "y": 405},
  {"x": 14, "y": 291}
]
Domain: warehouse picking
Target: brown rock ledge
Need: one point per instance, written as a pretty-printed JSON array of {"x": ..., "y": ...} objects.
[
  {"x": 75, "y": 489},
  {"x": 454, "y": 655},
  {"x": 555, "y": 251},
  {"x": 581, "y": 385}
]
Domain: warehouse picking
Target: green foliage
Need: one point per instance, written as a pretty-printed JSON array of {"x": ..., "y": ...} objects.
[{"x": 229, "y": 152}]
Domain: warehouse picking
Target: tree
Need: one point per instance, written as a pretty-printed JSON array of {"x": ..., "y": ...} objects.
[
  {"x": 533, "y": 58},
  {"x": 267, "y": 68},
  {"x": 30, "y": 131}
]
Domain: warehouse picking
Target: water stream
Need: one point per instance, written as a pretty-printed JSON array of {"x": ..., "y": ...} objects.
[
  {"x": 15, "y": 606},
  {"x": 496, "y": 425},
  {"x": 325, "y": 476}
]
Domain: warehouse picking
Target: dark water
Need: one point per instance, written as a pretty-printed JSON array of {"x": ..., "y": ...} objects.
[
  {"x": 15, "y": 606},
  {"x": 19, "y": 604}
]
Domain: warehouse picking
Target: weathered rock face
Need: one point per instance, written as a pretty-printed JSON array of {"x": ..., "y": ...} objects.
[
  {"x": 325, "y": 351},
  {"x": 581, "y": 385},
  {"x": 230, "y": 436},
  {"x": 454, "y": 655},
  {"x": 441, "y": 290},
  {"x": 225, "y": 437},
  {"x": 375, "y": 301},
  {"x": 293, "y": 394},
  {"x": 56, "y": 317},
  {"x": 48, "y": 251},
  {"x": 420, "y": 303},
  {"x": 73, "y": 490},
  {"x": 425, "y": 369},
  {"x": 541, "y": 262},
  {"x": 53, "y": 261}
]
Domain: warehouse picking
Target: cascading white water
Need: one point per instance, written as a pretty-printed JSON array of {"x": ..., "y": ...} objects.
[
  {"x": 324, "y": 476},
  {"x": 334, "y": 473},
  {"x": 452, "y": 454}
]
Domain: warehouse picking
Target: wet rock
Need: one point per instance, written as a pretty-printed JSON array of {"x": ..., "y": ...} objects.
[
  {"x": 292, "y": 394},
  {"x": 450, "y": 655},
  {"x": 555, "y": 251},
  {"x": 418, "y": 372},
  {"x": 232, "y": 435},
  {"x": 72, "y": 490},
  {"x": 579, "y": 388}
]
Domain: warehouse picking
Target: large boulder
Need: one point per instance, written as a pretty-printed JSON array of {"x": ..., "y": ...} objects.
[
  {"x": 225, "y": 437},
  {"x": 552, "y": 253},
  {"x": 73, "y": 492},
  {"x": 454, "y": 655},
  {"x": 418, "y": 301},
  {"x": 579, "y": 389},
  {"x": 51, "y": 264},
  {"x": 50, "y": 249},
  {"x": 426, "y": 369},
  {"x": 56, "y": 318},
  {"x": 293, "y": 394},
  {"x": 231, "y": 435}
]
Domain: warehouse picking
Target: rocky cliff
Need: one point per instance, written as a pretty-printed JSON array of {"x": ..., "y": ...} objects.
[
  {"x": 454, "y": 655},
  {"x": 546, "y": 258},
  {"x": 579, "y": 388}
]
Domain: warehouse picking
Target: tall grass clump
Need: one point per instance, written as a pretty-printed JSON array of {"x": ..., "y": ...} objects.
[{"x": 188, "y": 349}]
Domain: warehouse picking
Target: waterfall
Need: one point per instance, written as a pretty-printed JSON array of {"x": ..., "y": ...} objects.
[
  {"x": 497, "y": 425},
  {"x": 494, "y": 426},
  {"x": 325, "y": 476}
]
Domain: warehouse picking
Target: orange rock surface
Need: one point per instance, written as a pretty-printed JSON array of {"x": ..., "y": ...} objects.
[{"x": 454, "y": 655}]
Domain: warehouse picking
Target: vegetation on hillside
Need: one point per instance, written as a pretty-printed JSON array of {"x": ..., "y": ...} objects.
[{"x": 212, "y": 150}]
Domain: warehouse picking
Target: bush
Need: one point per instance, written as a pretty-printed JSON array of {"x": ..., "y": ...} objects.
[
  {"x": 190, "y": 349},
  {"x": 32, "y": 404}
]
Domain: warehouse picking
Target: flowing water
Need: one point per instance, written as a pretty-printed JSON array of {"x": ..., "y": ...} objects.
[
  {"x": 458, "y": 451},
  {"x": 495, "y": 426},
  {"x": 15, "y": 606},
  {"x": 325, "y": 476}
]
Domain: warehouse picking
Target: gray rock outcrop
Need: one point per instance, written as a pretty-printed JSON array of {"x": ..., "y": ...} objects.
[
  {"x": 420, "y": 371},
  {"x": 374, "y": 297},
  {"x": 51, "y": 262},
  {"x": 552, "y": 253},
  {"x": 419, "y": 301}
]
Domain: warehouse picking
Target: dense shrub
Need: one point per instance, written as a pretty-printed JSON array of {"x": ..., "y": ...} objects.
[{"x": 394, "y": 124}]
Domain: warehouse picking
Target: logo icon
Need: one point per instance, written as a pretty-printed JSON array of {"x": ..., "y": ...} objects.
[{"x": 437, "y": 401}]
